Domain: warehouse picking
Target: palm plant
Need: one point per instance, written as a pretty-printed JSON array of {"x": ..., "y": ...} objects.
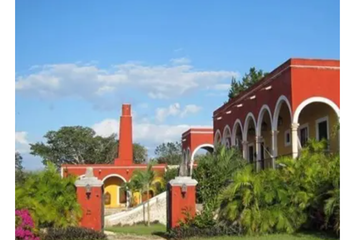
[{"x": 143, "y": 180}]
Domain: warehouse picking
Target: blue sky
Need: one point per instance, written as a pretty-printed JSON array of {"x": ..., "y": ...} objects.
[{"x": 78, "y": 61}]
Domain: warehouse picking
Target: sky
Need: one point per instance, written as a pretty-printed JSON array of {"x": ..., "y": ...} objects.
[{"x": 78, "y": 61}]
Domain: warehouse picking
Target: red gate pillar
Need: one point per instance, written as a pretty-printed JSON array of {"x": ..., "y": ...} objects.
[
  {"x": 89, "y": 195},
  {"x": 181, "y": 200}
]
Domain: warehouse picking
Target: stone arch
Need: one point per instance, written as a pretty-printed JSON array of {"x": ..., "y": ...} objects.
[
  {"x": 226, "y": 134},
  {"x": 207, "y": 146},
  {"x": 313, "y": 100},
  {"x": 277, "y": 108},
  {"x": 234, "y": 131},
  {"x": 217, "y": 137},
  {"x": 264, "y": 108},
  {"x": 249, "y": 117},
  {"x": 114, "y": 190}
]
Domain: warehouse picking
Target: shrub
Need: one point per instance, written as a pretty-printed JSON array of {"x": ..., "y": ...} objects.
[
  {"x": 73, "y": 233},
  {"x": 50, "y": 199},
  {"x": 182, "y": 232},
  {"x": 304, "y": 193},
  {"x": 24, "y": 226}
]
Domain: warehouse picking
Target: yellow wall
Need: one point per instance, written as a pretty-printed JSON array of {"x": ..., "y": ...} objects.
[
  {"x": 316, "y": 111},
  {"x": 111, "y": 185}
]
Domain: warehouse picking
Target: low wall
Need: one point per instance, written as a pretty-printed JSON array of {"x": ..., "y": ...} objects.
[{"x": 139, "y": 213}]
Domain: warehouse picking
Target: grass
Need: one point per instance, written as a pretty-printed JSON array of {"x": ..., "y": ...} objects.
[
  {"x": 139, "y": 229},
  {"x": 269, "y": 237},
  {"x": 159, "y": 229}
]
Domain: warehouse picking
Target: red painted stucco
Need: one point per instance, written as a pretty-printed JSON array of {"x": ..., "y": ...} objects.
[
  {"x": 91, "y": 208},
  {"x": 181, "y": 204}
]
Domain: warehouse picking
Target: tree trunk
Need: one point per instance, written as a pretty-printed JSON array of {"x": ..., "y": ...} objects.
[{"x": 148, "y": 205}]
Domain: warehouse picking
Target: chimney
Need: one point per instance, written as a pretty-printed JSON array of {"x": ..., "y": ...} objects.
[{"x": 125, "y": 156}]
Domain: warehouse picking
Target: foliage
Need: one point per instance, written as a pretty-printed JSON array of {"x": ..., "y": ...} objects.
[
  {"x": 213, "y": 173},
  {"x": 140, "y": 154},
  {"x": 50, "y": 199},
  {"x": 247, "y": 81},
  {"x": 286, "y": 199},
  {"x": 24, "y": 226},
  {"x": 19, "y": 174},
  {"x": 170, "y": 174},
  {"x": 73, "y": 233},
  {"x": 81, "y": 145},
  {"x": 170, "y": 153}
]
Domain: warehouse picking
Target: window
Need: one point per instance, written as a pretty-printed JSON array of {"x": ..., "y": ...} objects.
[
  {"x": 322, "y": 129},
  {"x": 287, "y": 138},
  {"x": 304, "y": 134}
]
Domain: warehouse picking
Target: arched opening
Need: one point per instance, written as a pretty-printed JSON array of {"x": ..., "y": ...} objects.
[
  {"x": 264, "y": 130},
  {"x": 202, "y": 150},
  {"x": 250, "y": 138},
  {"x": 237, "y": 135},
  {"x": 282, "y": 119},
  {"x": 227, "y": 136},
  {"x": 115, "y": 194},
  {"x": 217, "y": 138},
  {"x": 317, "y": 119}
]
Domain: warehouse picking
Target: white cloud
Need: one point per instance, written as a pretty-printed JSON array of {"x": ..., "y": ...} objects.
[
  {"x": 190, "y": 109},
  {"x": 92, "y": 83},
  {"x": 21, "y": 142},
  {"x": 180, "y": 61},
  {"x": 175, "y": 110},
  {"x": 148, "y": 134}
]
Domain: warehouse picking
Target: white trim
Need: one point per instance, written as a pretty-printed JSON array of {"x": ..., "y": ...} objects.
[
  {"x": 61, "y": 172},
  {"x": 234, "y": 131},
  {"x": 302, "y": 126},
  {"x": 217, "y": 133},
  {"x": 312, "y": 100},
  {"x": 287, "y": 144},
  {"x": 118, "y": 195},
  {"x": 113, "y": 175},
  {"x": 225, "y": 134},
  {"x": 277, "y": 108},
  {"x": 249, "y": 115},
  {"x": 198, "y": 132},
  {"x": 316, "y": 67},
  {"x": 264, "y": 108},
  {"x": 323, "y": 119}
]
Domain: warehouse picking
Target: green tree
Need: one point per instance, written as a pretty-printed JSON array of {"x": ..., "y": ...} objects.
[
  {"x": 247, "y": 81},
  {"x": 50, "y": 199},
  {"x": 143, "y": 180},
  {"x": 170, "y": 174},
  {"x": 170, "y": 153},
  {"x": 140, "y": 154},
  {"x": 80, "y": 145},
  {"x": 19, "y": 174}
]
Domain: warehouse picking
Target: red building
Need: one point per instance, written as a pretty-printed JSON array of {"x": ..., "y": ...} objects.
[
  {"x": 297, "y": 101},
  {"x": 115, "y": 175}
]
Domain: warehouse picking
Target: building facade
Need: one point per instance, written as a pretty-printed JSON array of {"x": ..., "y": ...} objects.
[
  {"x": 297, "y": 101},
  {"x": 114, "y": 176}
]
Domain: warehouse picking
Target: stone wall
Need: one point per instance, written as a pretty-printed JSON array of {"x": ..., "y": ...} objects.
[{"x": 139, "y": 213}]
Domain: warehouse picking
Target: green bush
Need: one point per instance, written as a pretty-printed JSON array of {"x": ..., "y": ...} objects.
[
  {"x": 303, "y": 193},
  {"x": 50, "y": 199},
  {"x": 183, "y": 232},
  {"x": 213, "y": 174},
  {"x": 73, "y": 233}
]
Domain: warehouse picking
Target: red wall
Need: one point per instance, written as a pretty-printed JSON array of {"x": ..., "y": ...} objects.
[{"x": 91, "y": 208}]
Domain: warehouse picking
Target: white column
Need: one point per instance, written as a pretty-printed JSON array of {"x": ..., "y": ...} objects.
[
  {"x": 258, "y": 152},
  {"x": 294, "y": 140},
  {"x": 245, "y": 149},
  {"x": 274, "y": 146}
]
